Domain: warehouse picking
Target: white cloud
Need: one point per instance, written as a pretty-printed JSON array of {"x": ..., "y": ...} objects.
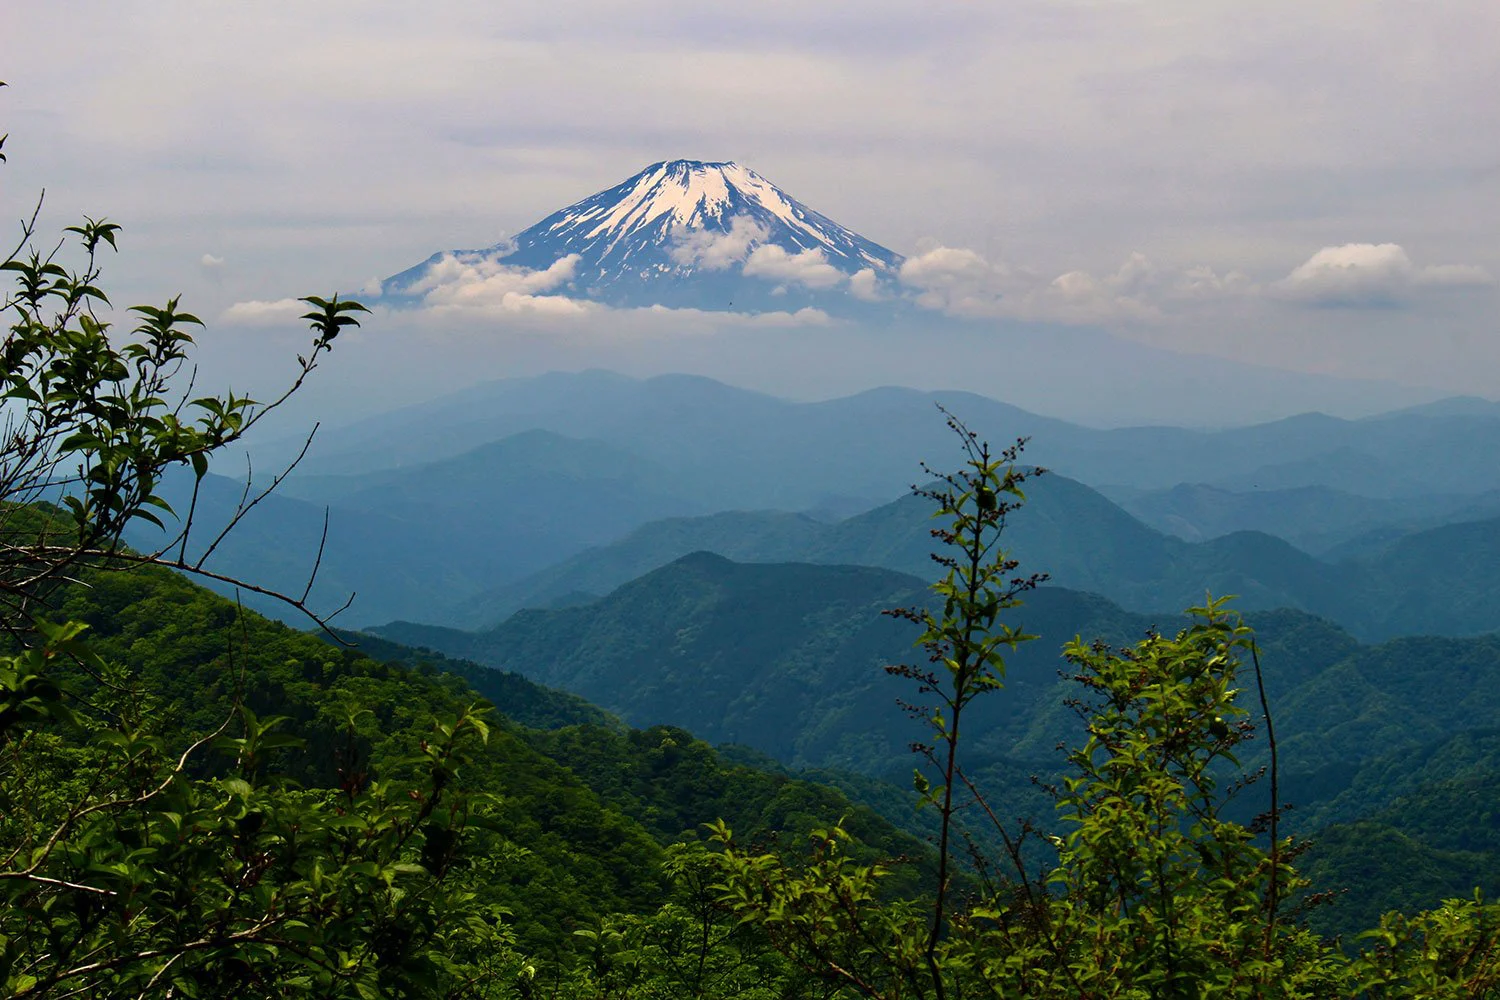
[
  {"x": 212, "y": 269},
  {"x": 480, "y": 284},
  {"x": 1137, "y": 290},
  {"x": 715, "y": 251},
  {"x": 806, "y": 316},
  {"x": 638, "y": 322},
  {"x": 1353, "y": 274},
  {"x": 261, "y": 313},
  {"x": 945, "y": 267},
  {"x": 1079, "y": 297},
  {"x": 954, "y": 281},
  {"x": 473, "y": 281},
  {"x": 865, "y": 286},
  {"x": 808, "y": 267},
  {"x": 1135, "y": 276},
  {"x": 1370, "y": 274},
  {"x": 960, "y": 282},
  {"x": 455, "y": 279},
  {"x": 1076, "y": 285},
  {"x": 480, "y": 288},
  {"x": 491, "y": 302}
]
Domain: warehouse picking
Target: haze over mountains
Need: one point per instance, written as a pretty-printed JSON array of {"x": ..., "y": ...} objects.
[
  {"x": 869, "y": 443},
  {"x": 1431, "y": 581},
  {"x": 708, "y": 267},
  {"x": 561, "y": 488}
]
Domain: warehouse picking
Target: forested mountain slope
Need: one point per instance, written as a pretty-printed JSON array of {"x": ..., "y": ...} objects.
[
  {"x": 1434, "y": 581},
  {"x": 1067, "y": 530},
  {"x": 1438, "y": 842},
  {"x": 586, "y": 805},
  {"x": 789, "y": 660}
]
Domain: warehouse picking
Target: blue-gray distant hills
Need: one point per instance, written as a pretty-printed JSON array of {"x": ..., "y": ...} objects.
[
  {"x": 1066, "y": 529},
  {"x": 1433, "y": 581},
  {"x": 469, "y": 541},
  {"x": 418, "y": 540},
  {"x": 759, "y": 450},
  {"x": 461, "y": 510}
]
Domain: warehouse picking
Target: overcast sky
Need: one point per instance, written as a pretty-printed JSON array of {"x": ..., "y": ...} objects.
[{"x": 1309, "y": 185}]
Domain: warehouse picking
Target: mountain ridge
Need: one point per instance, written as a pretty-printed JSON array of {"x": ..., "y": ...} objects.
[
  {"x": 896, "y": 425},
  {"x": 1085, "y": 541}
]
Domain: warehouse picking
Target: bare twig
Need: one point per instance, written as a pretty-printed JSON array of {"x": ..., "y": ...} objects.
[
  {"x": 318, "y": 562},
  {"x": 1265, "y": 708},
  {"x": 246, "y": 508}
]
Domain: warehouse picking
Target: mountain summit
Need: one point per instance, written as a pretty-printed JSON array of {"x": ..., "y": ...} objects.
[{"x": 685, "y": 233}]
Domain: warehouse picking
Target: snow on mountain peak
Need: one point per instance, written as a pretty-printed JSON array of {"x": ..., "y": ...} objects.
[{"x": 688, "y": 232}]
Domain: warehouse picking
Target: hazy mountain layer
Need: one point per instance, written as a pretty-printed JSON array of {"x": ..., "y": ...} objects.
[
  {"x": 539, "y": 518},
  {"x": 1436, "y": 581},
  {"x": 411, "y": 541},
  {"x": 785, "y": 658},
  {"x": 1316, "y": 519},
  {"x": 775, "y": 453}
]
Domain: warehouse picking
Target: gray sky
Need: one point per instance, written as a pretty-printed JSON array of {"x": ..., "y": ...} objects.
[{"x": 1308, "y": 185}]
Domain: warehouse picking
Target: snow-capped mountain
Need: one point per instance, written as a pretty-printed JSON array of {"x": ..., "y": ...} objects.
[{"x": 679, "y": 233}]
